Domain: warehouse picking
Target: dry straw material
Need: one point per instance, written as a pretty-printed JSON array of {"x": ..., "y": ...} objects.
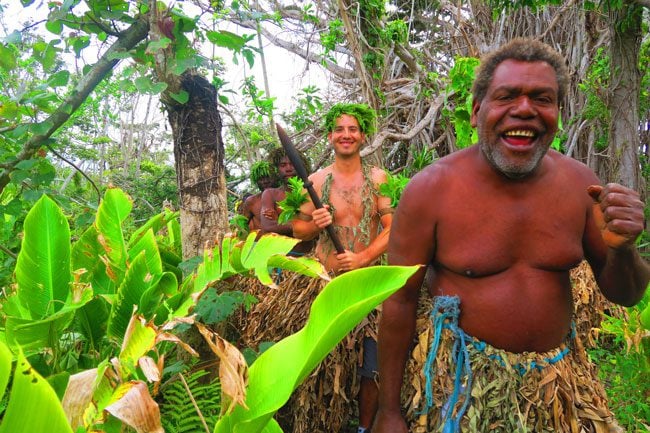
[{"x": 540, "y": 401}]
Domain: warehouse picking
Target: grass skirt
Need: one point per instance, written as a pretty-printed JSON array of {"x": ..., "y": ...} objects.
[{"x": 565, "y": 396}]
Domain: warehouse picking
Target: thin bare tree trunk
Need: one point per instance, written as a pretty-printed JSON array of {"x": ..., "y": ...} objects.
[{"x": 623, "y": 102}]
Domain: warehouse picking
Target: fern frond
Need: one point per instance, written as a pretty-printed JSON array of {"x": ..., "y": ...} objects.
[{"x": 177, "y": 410}]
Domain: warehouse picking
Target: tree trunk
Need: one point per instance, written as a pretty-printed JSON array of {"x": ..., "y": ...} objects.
[
  {"x": 623, "y": 102},
  {"x": 199, "y": 153}
]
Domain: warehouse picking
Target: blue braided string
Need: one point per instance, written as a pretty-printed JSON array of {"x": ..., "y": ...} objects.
[{"x": 445, "y": 314}]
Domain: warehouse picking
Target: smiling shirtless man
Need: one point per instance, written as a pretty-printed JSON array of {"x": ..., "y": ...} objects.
[{"x": 502, "y": 223}]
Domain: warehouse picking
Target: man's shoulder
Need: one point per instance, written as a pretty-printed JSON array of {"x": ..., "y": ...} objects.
[
  {"x": 253, "y": 198},
  {"x": 571, "y": 167},
  {"x": 274, "y": 192},
  {"x": 319, "y": 176}
]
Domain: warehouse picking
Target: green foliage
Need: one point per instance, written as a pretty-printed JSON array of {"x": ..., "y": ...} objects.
[
  {"x": 214, "y": 307},
  {"x": 625, "y": 367},
  {"x": 595, "y": 89},
  {"x": 309, "y": 107},
  {"x": 262, "y": 106},
  {"x": 393, "y": 187},
  {"x": 33, "y": 405},
  {"x": 560, "y": 138},
  {"x": 421, "y": 158},
  {"x": 178, "y": 412},
  {"x": 240, "y": 225},
  {"x": 236, "y": 43},
  {"x": 293, "y": 200},
  {"x": 396, "y": 31},
  {"x": 259, "y": 170},
  {"x": 334, "y": 36},
  {"x": 461, "y": 77},
  {"x": 365, "y": 115}
]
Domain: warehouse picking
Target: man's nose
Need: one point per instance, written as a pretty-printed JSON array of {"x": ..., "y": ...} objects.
[{"x": 523, "y": 107}]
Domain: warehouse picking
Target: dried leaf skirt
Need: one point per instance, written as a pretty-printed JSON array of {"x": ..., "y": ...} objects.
[{"x": 557, "y": 391}]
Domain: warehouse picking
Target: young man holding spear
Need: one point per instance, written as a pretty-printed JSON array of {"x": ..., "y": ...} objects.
[{"x": 355, "y": 210}]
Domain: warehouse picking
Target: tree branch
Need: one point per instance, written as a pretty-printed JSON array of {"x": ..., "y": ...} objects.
[
  {"x": 644, "y": 3},
  {"x": 426, "y": 120},
  {"x": 129, "y": 38},
  {"x": 309, "y": 56}
]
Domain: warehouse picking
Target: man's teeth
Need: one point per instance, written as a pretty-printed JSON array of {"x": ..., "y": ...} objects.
[{"x": 520, "y": 133}]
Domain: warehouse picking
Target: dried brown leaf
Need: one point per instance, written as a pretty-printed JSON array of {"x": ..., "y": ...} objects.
[
  {"x": 233, "y": 370},
  {"x": 135, "y": 407}
]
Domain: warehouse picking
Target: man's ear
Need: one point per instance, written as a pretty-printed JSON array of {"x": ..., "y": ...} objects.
[{"x": 476, "y": 105}]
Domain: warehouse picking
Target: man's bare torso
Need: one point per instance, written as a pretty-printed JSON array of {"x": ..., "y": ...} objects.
[
  {"x": 351, "y": 197},
  {"x": 507, "y": 253}
]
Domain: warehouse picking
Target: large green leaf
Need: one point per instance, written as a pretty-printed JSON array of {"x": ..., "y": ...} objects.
[
  {"x": 5, "y": 367},
  {"x": 43, "y": 265},
  {"x": 340, "y": 306},
  {"x": 90, "y": 321},
  {"x": 154, "y": 223},
  {"x": 151, "y": 299},
  {"x": 147, "y": 244},
  {"x": 86, "y": 253},
  {"x": 34, "y": 335},
  {"x": 33, "y": 405},
  {"x": 139, "y": 338},
  {"x": 112, "y": 212},
  {"x": 137, "y": 281}
]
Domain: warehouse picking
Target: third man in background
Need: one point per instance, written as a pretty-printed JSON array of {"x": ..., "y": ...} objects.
[
  {"x": 270, "y": 210},
  {"x": 262, "y": 176}
]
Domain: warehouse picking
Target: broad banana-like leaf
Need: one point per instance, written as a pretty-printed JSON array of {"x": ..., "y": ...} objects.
[
  {"x": 147, "y": 243},
  {"x": 151, "y": 299},
  {"x": 86, "y": 254},
  {"x": 139, "y": 339},
  {"x": 257, "y": 257},
  {"x": 644, "y": 317},
  {"x": 154, "y": 224},
  {"x": 112, "y": 212},
  {"x": 43, "y": 265},
  {"x": 90, "y": 321},
  {"x": 340, "y": 306},
  {"x": 136, "y": 282},
  {"x": 33, "y": 405},
  {"x": 5, "y": 367},
  {"x": 300, "y": 265},
  {"x": 34, "y": 335},
  {"x": 233, "y": 256}
]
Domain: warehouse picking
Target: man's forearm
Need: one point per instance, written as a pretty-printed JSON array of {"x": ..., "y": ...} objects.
[
  {"x": 377, "y": 247},
  {"x": 304, "y": 230},
  {"x": 624, "y": 277}
]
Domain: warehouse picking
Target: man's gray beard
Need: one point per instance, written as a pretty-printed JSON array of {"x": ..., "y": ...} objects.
[{"x": 509, "y": 169}]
